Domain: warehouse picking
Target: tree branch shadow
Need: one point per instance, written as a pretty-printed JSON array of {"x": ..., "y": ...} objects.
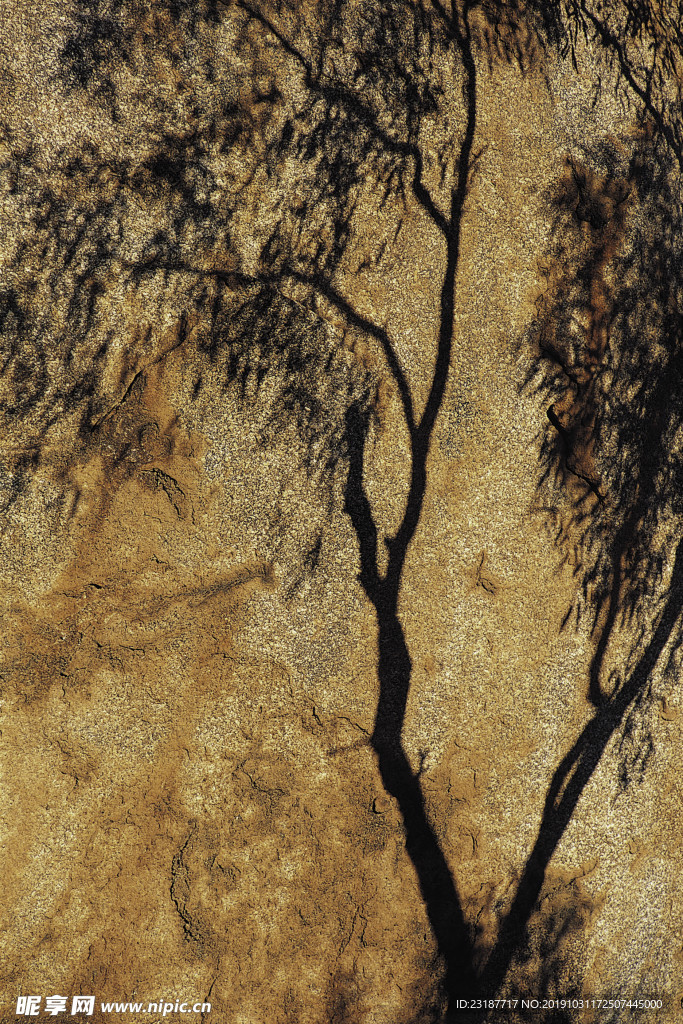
[
  {"x": 571, "y": 778},
  {"x": 607, "y": 350}
]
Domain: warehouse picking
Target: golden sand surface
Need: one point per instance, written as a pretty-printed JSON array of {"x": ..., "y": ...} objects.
[{"x": 339, "y": 608}]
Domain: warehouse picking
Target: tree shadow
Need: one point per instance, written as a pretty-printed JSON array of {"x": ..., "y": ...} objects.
[
  {"x": 253, "y": 171},
  {"x": 571, "y": 778},
  {"x": 608, "y": 352},
  {"x": 548, "y": 961}
]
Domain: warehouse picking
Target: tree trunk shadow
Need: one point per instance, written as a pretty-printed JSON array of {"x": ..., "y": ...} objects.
[{"x": 394, "y": 668}]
